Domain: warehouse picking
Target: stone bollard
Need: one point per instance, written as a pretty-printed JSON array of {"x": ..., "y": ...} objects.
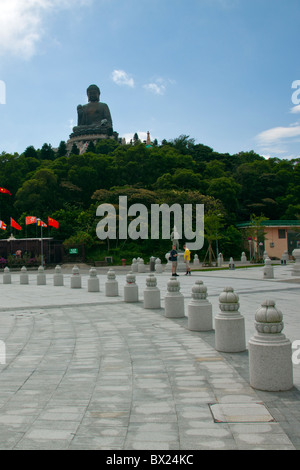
[
  {"x": 196, "y": 261},
  {"x": 141, "y": 266},
  {"x": 131, "y": 290},
  {"x": 231, "y": 264},
  {"x": 174, "y": 300},
  {"x": 284, "y": 258},
  {"x": 158, "y": 266},
  {"x": 93, "y": 281},
  {"x": 58, "y": 277},
  {"x": 151, "y": 293},
  {"x": 220, "y": 260},
  {"x": 268, "y": 271},
  {"x": 75, "y": 278},
  {"x": 199, "y": 309},
  {"x": 229, "y": 324},
  {"x": 134, "y": 266},
  {"x": 296, "y": 267},
  {"x": 243, "y": 258},
  {"x": 6, "y": 276},
  {"x": 168, "y": 266},
  {"x": 24, "y": 276},
  {"x": 270, "y": 352},
  {"x": 111, "y": 285},
  {"x": 41, "y": 276}
]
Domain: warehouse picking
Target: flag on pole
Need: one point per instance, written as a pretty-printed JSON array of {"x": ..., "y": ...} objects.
[
  {"x": 30, "y": 220},
  {"x": 40, "y": 223},
  {"x": 5, "y": 191},
  {"x": 14, "y": 224},
  {"x": 2, "y": 225},
  {"x": 53, "y": 223}
]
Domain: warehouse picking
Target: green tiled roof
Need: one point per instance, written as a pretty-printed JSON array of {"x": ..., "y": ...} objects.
[{"x": 272, "y": 223}]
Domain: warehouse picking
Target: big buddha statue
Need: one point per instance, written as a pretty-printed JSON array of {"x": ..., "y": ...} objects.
[{"x": 93, "y": 117}]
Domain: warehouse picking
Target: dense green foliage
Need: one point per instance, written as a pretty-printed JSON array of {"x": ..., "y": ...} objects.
[{"x": 46, "y": 183}]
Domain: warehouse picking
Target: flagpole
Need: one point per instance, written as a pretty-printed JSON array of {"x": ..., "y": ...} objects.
[{"x": 42, "y": 254}]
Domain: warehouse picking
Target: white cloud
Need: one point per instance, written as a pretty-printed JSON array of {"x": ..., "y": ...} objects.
[
  {"x": 120, "y": 77},
  {"x": 158, "y": 86},
  {"x": 22, "y": 23},
  {"x": 295, "y": 109},
  {"x": 277, "y": 134},
  {"x": 157, "y": 89}
]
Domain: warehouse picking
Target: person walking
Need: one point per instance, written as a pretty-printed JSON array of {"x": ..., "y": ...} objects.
[
  {"x": 187, "y": 259},
  {"x": 173, "y": 259}
]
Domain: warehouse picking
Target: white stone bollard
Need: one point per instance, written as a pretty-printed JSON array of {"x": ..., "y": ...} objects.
[
  {"x": 158, "y": 266},
  {"x": 199, "y": 309},
  {"x": 296, "y": 267},
  {"x": 168, "y": 266},
  {"x": 265, "y": 256},
  {"x": 6, "y": 276},
  {"x": 58, "y": 277},
  {"x": 141, "y": 266},
  {"x": 270, "y": 352},
  {"x": 268, "y": 271},
  {"x": 229, "y": 324},
  {"x": 151, "y": 293},
  {"x": 243, "y": 258},
  {"x": 41, "y": 276},
  {"x": 231, "y": 264},
  {"x": 111, "y": 285},
  {"x": 196, "y": 261},
  {"x": 75, "y": 278},
  {"x": 93, "y": 281},
  {"x": 220, "y": 260},
  {"x": 285, "y": 257},
  {"x": 24, "y": 276},
  {"x": 134, "y": 266},
  {"x": 131, "y": 290},
  {"x": 174, "y": 300}
]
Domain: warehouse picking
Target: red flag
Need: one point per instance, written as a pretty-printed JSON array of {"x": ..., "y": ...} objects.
[
  {"x": 5, "y": 191},
  {"x": 2, "y": 225},
  {"x": 14, "y": 224},
  {"x": 53, "y": 223},
  {"x": 30, "y": 220}
]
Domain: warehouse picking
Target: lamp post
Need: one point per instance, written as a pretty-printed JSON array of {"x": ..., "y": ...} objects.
[
  {"x": 217, "y": 242},
  {"x": 250, "y": 240}
]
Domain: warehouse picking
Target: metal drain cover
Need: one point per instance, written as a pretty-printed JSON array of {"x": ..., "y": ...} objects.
[{"x": 240, "y": 413}]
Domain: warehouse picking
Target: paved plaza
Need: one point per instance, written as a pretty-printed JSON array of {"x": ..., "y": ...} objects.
[{"x": 84, "y": 371}]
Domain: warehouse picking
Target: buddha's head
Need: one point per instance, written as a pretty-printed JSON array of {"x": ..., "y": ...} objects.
[{"x": 93, "y": 93}]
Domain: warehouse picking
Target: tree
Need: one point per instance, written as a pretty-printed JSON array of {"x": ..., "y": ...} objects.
[
  {"x": 30, "y": 152},
  {"x": 62, "y": 149},
  {"x": 256, "y": 233},
  {"x": 136, "y": 139},
  {"x": 74, "y": 150},
  {"x": 47, "y": 152},
  {"x": 39, "y": 194},
  {"x": 226, "y": 190},
  {"x": 213, "y": 225},
  {"x": 91, "y": 147}
]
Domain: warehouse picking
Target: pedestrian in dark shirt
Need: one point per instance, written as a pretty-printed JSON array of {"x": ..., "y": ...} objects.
[{"x": 173, "y": 259}]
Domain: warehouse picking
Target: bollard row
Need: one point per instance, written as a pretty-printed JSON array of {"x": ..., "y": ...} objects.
[{"x": 270, "y": 352}]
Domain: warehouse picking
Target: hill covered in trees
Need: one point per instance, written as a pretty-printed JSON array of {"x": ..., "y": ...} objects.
[{"x": 44, "y": 182}]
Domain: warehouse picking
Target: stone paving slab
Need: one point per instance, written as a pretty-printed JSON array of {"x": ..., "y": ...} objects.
[{"x": 85, "y": 372}]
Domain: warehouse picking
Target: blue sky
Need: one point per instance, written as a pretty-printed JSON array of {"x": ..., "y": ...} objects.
[{"x": 220, "y": 71}]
